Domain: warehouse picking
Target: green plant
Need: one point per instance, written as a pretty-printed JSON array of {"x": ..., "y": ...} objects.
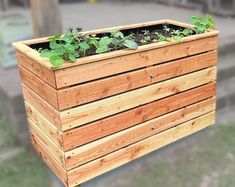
[
  {"x": 146, "y": 37},
  {"x": 187, "y": 32},
  {"x": 202, "y": 24},
  {"x": 166, "y": 28},
  {"x": 103, "y": 45},
  {"x": 75, "y": 44},
  {"x": 119, "y": 40},
  {"x": 61, "y": 48},
  {"x": 177, "y": 35},
  {"x": 161, "y": 38}
]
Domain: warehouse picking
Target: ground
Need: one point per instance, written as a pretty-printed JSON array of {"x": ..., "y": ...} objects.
[{"x": 19, "y": 165}]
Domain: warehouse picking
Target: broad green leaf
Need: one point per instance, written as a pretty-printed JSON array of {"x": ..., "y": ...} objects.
[
  {"x": 84, "y": 45},
  {"x": 102, "y": 49},
  {"x": 161, "y": 38},
  {"x": 187, "y": 32},
  {"x": 59, "y": 50},
  {"x": 116, "y": 33},
  {"x": 194, "y": 19},
  {"x": 53, "y": 44},
  {"x": 105, "y": 41},
  {"x": 45, "y": 53},
  {"x": 130, "y": 44},
  {"x": 69, "y": 48},
  {"x": 72, "y": 58},
  {"x": 56, "y": 61}
]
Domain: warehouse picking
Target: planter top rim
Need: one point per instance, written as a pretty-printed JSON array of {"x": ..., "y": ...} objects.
[{"x": 23, "y": 46}]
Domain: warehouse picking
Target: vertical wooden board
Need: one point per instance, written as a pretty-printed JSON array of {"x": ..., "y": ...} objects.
[
  {"x": 95, "y": 90},
  {"x": 50, "y": 130},
  {"x": 43, "y": 107},
  {"x": 33, "y": 66},
  {"x": 104, "y": 146},
  {"x": 104, "y": 68},
  {"x": 129, "y": 153},
  {"x": 49, "y": 145},
  {"x": 104, "y": 127},
  {"x": 90, "y": 112},
  {"x": 41, "y": 88},
  {"x": 49, "y": 160}
]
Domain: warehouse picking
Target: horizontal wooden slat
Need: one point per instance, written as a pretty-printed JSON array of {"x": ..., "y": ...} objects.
[
  {"x": 49, "y": 160},
  {"x": 40, "y": 87},
  {"x": 101, "y": 128},
  {"x": 129, "y": 136},
  {"x": 36, "y": 68},
  {"x": 41, "y": 122},
  {"x": 100, "y": 89},
  {"x": 90, "y": 112},
  {"x": 129, "y": 153},
  {"x": 49, "y": 145},
  {"x": 23, "y": 46},
  {"x": 104, "y": 68},
  {"x": 43, "y": 107}
]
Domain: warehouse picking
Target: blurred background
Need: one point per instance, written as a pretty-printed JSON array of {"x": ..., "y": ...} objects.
[{"x": 206, "y": 159}]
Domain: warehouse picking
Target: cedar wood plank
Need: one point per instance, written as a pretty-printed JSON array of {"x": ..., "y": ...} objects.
[
  {"x": 39, "y": 70},
  {"x": 49, "y": 145},
  {"x": 49, "y": 129},
  {"x": 95, "y": 90},
  {"x": 40, "y": 87},
  {"x": 42, "y": 106},
  {"x": 90, "y": 112},
  {"x": 49, "y": 160},
  {"x": 91, "y": 71},
  {"x": 101, "y": 147},
  {"x": 134, "y": 151},
  {"x": 104, "y": 146},
  {"x": 101, "y": 128}
]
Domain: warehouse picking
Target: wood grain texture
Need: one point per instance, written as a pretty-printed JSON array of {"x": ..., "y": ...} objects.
[
  {"x": 43, "y": 107},
  {"x": 49, "y": 160},
  {"x": 46, "y": 142},
  {"x": 95, "y": 90},
  {"x": 50, "y": 130},
  {"x": 36, "y": 68},
  {"x": 109, "y": 144},
  {"x": 40, "y": 87},
  {"x": 129, "y": 153},
  {"x": 107, "y": 126},
  {"x": 23, "y": 46},
  {"x": 82, "y": 73},
  {"x": 90, "y": 112}
]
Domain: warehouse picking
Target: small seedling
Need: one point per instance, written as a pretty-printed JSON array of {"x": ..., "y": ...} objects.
[
  {"x": 166, "y": 28},
  {"x": 75, "y": 44}
]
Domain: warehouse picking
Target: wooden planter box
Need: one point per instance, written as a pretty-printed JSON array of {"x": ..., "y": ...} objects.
[{"x": 89, "y": 117}]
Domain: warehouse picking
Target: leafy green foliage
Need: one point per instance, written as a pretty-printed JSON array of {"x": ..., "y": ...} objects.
[
  {"x": 61, "y": 48},
  {"x": 103, "y": 45},
  {"x": 202, "y": 24},
  {"x": 120, "y": 41},
  {"x": 75, "y": 44},
  {"x": 146, "y": 37}
]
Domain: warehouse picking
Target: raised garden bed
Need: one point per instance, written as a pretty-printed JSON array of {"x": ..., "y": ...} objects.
[{"x": 105, "y": 110}]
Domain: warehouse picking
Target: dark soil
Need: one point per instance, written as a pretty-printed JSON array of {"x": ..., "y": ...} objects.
[{"x": 138, "y": 33}]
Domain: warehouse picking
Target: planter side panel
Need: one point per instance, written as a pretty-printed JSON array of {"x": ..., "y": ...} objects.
[
  {"x": 40, "y": 71},
  {"x": 116, "y": 84},
  {"x": 98, "y": 129},
  {"x": 127, "y": 154},
  {"x": 87, "y": 72}
]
